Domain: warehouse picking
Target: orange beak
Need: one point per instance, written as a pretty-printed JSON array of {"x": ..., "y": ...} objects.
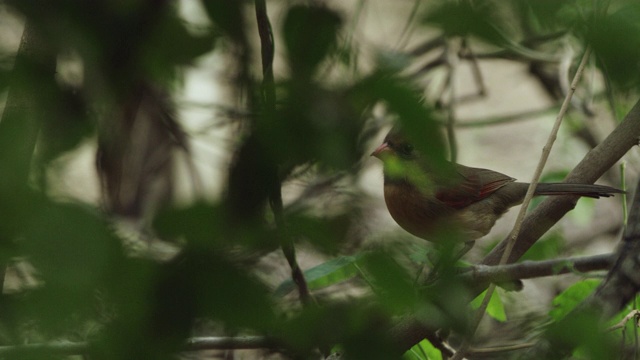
[{"x": 383, "y": 148}]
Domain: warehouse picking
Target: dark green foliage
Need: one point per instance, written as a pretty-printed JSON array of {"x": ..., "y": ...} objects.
[
  {"x": 615, "y": 39},
  {"x": 140, "y": 308},
  {"x": 309, "y": 35},
  {"x": 467, "y": 18}
]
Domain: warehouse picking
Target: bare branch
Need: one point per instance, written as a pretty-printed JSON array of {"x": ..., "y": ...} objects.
[
  {"x": 410, "y": 330},
  {"x": 633, "y": 314},
  {"x": 595, "y": 164},
  {"x": 511, "y": 239},
  {"x": 536, "y": 269},
  {"x": 275, "y": 191},
  {"x": 613, "y": 294}
]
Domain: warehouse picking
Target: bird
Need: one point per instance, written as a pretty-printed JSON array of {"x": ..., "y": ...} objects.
[{"x": 425, "y": 199}]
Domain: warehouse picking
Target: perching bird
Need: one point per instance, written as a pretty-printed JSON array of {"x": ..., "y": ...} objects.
[{"x": 468, "y": 200}]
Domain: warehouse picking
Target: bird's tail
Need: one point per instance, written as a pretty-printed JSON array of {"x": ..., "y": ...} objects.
[{"x": 593, "y": 191}]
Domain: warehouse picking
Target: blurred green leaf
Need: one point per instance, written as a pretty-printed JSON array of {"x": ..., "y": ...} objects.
[
  {"x": 546, "y": 248},
  {"x": 390, "y": 281},
  {"x": 548, "y": 15},
  {"x": 228, "y": 17},
  {"x": 70, "y": 245},
  {"x": 310, "y": 32},
  {"x": 199, "y": 223},
  {"x": 495, "y": 308},
  {"x": 360, "y": 326},
  {"x": 74, "y": 252},
  {"x": 583, "y": 333},
  {"x": 419, "y": 254},
  {"x": 423, "y": 350},
  {"x": 464, "y": 18},
  {"x": 326, "y": 233},
  {"x": 330, "y": 121},
  {"x": 616, "y": 43},
  {"x": 326, "y": 274},
  {"x": 584, "y": 211},
  {"x": 414, "y": 116},
  {"x": 245, "y": 301},
  {"x": 66, "y": 125},
  {"x": 170, "y": 44},
  {"x": 566, "y": 301}
]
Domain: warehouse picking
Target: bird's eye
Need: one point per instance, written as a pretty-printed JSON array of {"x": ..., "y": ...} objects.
[{"x": 406, "y": 149}]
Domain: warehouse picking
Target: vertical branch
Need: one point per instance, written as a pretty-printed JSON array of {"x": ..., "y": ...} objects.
[
  {"x": 475, "y": 68},
  {"x": 452, "y": 62},
  {"x": 35, "y": 64},
  {"x": 275, "y": 190},
  {"x": 24, "y": 112},
  {"x": 267, "y": 48}
]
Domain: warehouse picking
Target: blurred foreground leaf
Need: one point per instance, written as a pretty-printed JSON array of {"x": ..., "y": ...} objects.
[
  {"x": 423, "y": 350},
  {"x": 495, "y": 309},
  {"x": 567, "y": 300},
  {"x": 329, "y": 273}
]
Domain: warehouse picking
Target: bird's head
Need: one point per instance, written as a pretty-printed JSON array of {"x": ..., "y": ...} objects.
[
  {"x": 395, "y": 144},
  {"x": 402, "y": 161}
]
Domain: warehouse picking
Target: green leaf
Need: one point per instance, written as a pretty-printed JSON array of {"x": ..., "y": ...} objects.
[
  {"x": 615, "y": 39},
  {"x": 310, "y": 32},
  {"x": 423, "y": 350},
  {"x": 327, "y": 233},
  {"x": 462, "y": 18},
  {"x": 583, "y": 333},
  {"x": 495, "y": 309},
  {"x": 416, "y": 118},
  {"x": 548, "y": 247},
  {"x": 567, "y": 300},
  {"x": 324, "y": 275},
  {"x": 583, "y": 213}
]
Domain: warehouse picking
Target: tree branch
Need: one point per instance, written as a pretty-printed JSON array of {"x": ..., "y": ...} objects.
[
  {"x": 611, "y": 296},
  {"x": 593, "y": 165},
  {"x": 275, "y": 191},
  {"x": 410, "y": 330},
  {"x": 536, "y": 269}
]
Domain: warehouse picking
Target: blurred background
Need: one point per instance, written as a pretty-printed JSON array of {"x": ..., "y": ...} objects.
[{"x": 155, "y": 160}]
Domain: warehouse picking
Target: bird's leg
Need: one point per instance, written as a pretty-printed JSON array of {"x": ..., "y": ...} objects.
[
  {"x": 467, "y": 246},
  {"x": 438, "y": 264}
]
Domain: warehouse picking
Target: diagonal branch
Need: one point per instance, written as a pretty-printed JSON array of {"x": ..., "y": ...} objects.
[
  {"x": 411, "y": 330},
  {"x": 612, "y": 295},
  {"x": 593, "y": 166}
]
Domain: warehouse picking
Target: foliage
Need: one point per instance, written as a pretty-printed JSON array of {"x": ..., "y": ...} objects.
[{"x": 316, "y": 117}]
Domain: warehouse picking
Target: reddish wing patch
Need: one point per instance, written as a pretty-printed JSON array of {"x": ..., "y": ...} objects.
[{"x": 474, "y": 185}]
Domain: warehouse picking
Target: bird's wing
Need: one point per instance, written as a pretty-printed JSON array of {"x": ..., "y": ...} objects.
[{"x": 470, "y": 185}]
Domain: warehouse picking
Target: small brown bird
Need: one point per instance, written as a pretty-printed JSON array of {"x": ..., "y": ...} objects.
[{"x": 469, "y": 200}]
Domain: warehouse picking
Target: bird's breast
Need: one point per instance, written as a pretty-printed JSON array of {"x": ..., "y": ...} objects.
[
  {"x": 428, "y": 218},
  {"x": 414, "y": 211}
]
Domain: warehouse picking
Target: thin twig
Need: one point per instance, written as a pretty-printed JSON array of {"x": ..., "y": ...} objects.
[
  {"x": 405, "y": 34},
  {"x": 546, "y": 150},
  {"x": 474, "y": 352},
  {"x": 498, "y": 120},
  {"x": 452, "y": 62},
  {"x": 427, "y": 46},
  {"x": 275, "y": 193},
  {"x": 475, "y": 68},
  {"x": 631, "y": 315}
]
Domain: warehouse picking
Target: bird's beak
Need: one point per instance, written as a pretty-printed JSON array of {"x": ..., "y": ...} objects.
[{"x": 383, "y": 148}]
